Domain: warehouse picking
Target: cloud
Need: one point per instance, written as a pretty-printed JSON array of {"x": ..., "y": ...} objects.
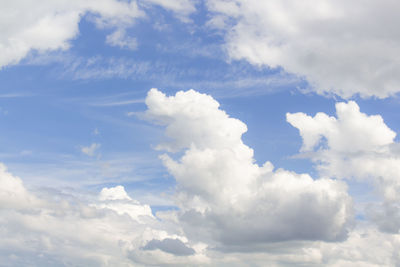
[
  {"x": 339, "y": 47},
  {"x": 57, "y": 229},
  {"x": 116, "y": 198},
  {"x": 232, "y": 212},
  {"x": 51, "y": 25},
  {"x": 352, "y": 131},
  {"x": 224, "y": 196},
  {"x": 119, "y": 38},
  {"x": 114, "y": 193},
  {"x": 358, "y": 146},
  {"x": 13, "y": 194},
  {"x": 169, "y": 245},
  {"x": 182, "y": 8},
  {"x": 90, "y": 150}
]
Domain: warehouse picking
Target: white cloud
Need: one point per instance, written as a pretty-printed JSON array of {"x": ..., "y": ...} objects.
[
  {"x": 13, "y": 194},
  {"x": 356, "y": 146},
  {"x": 114, "y": 193},
  {"x": 90, "y": 150},
  {"x": 224, "y": 196},
  {"x": 119, "y": 38},
  {"x": 116, "y": 198},
  {"x": 340, "y": 47},
  {"x": 53, "y": 230},
  {"x": 51, "y": 25},
  {"x": 352, "y": 131}
]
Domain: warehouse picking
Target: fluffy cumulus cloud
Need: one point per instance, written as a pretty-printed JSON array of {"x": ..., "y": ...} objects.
[
  {"x": 255, "y": 215},
  {"x": 355, "y": 145},
  {"x": 340, "y": 47},
  {"x": 224, "y": 196},
  {"x": 51, "y": 24}
]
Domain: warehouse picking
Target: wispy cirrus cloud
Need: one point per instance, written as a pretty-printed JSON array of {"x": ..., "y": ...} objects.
[
  {"x": 237, "y": 78},
  {"x": 15, "y": 95}
]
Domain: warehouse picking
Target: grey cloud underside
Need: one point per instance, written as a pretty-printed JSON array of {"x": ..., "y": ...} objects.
[{"x": 173, "y": 246}]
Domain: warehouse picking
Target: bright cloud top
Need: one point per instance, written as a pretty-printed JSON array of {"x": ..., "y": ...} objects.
[
  {"x": 356, "y": 146},
  {"x": 352, "y": 131},
  {"x": 340, "y": 47}
]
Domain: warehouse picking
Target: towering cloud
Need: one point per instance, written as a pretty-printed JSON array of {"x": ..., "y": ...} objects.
[{"x": 224, "y": 195}]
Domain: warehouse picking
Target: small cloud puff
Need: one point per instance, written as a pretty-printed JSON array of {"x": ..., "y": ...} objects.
[
  {"x": 90, "y": 150},
  {"x": 120, "y": 39}
]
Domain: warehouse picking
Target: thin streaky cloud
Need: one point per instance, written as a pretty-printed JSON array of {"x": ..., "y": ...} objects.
[
  {"x": 118, "y": 103},
  {"x": 14, "y": 95}
]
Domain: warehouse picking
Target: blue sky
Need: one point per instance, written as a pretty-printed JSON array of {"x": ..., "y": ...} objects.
[{"x": 78, "y": 121}]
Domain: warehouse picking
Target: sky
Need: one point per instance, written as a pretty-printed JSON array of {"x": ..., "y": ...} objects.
[{"x": 199, "y": 133}]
